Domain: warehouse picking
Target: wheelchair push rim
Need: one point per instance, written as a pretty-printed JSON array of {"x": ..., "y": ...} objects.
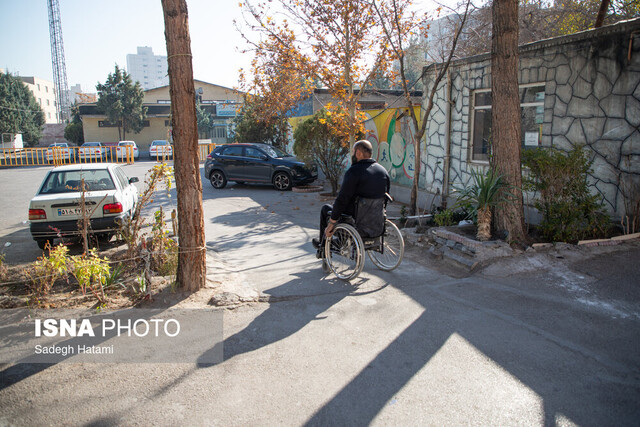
[
  {"x": 344, "y": 252},
  {"x": 393, "y": 249}
]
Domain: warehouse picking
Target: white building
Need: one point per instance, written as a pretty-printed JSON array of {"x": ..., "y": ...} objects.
[
  {"x": 148, "y": 69},
  {"x": 45, "y": 93}
]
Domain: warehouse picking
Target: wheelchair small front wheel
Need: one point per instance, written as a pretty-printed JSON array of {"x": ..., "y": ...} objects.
[
  {"x": 344, "y": 252},
  {"x": 390, "y": 254}
]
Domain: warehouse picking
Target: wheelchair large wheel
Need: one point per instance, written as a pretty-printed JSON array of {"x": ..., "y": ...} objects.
[
  {"x": 344, "y": 252},
  {"x": 390, "y": 255}
]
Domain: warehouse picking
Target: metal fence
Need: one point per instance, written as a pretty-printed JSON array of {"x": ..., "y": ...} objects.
[{"x": 58, "y": 156}]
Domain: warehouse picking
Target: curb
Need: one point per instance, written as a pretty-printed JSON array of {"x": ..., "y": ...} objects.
[
  {"x": 456, "y": 249},
  {"x": 609, "y": 242},
  {"x": 307, "y": 189}
]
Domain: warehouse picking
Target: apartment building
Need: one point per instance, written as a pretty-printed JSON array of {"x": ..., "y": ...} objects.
[
  {"x": 45, "y": 93},
  {"x": 148, "y": 69}
]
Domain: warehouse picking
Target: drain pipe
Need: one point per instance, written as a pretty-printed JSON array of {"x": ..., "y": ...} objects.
[{"x": 447, "y": 141}]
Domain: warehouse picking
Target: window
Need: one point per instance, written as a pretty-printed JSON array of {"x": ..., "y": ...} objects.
[
  {"x": 121, "y": 177},
  {"x": 532, "y": 109},
  {"x": 253, "y": 153},
  {"x": 47, "y": 102},
  {"x": 38, "y": 86},
  {"x": 233, "y": 151},
  {"x": 220, "y": 132},
  {"x": 106, "y": 124},
  {"x": 46, "y": 89},
  {"x": 40, "y": 101}
]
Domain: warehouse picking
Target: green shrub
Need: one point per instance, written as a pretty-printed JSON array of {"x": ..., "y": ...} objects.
[
  {"x": 444, "y": 218},
  {"x": 46, "y": 270},
  {"x": 92, "y": 272},
  {"x": 569, "y": 211},
  {"x": 164, "y": 250}
]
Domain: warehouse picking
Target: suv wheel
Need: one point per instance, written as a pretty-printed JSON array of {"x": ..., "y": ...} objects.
[
  {"x": 282, "y": 181},
  {"x": 217, "y": 179}
]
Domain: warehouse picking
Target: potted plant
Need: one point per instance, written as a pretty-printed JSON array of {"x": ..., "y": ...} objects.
[{"x": 480, "y": 197}]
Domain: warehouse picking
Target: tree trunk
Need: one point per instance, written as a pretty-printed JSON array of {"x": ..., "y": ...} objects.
[
  {"x": 484, "y": 224},
  {"x": 413, "y": 203},
  {"x": 602, "y": 13},
  {"x": 191, "y": 274},
  {"x": 506, "y": 117}
]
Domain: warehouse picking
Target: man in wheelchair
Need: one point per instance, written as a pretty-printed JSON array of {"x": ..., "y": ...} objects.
[{"x": 364, "y": 187}]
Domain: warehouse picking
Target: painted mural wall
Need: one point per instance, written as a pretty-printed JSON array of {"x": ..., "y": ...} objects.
[
  {"x": 393, "y": 137},
  {"x": 392, "y": 134}
]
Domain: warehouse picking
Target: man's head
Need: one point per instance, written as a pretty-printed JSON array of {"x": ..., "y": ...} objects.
[{"x": 362, "y": 150}]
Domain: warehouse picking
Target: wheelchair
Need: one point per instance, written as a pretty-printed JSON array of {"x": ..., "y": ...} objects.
[{"x": 344, "y": 251}]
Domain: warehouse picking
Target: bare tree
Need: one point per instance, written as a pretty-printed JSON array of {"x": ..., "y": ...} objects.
[
  {"x": 400, "y": 25},
  {"x": 191, "y": 274},
  {"x": 506, "y": 117}
]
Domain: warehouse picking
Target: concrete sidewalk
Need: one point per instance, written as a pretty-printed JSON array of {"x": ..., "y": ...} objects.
[{"x": 547, "y": 338}]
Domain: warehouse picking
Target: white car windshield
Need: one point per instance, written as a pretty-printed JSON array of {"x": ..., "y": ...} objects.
[{"x": 71, "y": 181}]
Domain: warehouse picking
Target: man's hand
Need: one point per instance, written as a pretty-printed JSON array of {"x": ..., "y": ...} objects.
[{"x": 331, "y": 227}]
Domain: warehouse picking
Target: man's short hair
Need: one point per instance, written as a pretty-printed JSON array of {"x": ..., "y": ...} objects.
[{"x": 365, "y": 146}]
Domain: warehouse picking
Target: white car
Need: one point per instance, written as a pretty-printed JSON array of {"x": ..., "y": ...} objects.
[
  {"x": 92, "y": 151},
  {"x": 59, "y": 151},
  {"x": 160, "y": 148},
  {"x": 109, "y": 197},
  {"x": 121, "y": 149}
]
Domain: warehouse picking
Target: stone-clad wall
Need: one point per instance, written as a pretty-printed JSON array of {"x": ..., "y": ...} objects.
[{"x": 592, "y": 99}]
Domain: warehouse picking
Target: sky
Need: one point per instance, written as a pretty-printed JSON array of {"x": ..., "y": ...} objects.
[{"x": 98, "y": 34}]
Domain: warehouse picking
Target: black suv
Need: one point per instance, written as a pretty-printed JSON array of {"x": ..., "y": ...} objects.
[{"x": 256, "y": 163}]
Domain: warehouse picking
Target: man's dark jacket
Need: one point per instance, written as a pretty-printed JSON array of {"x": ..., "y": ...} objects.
[{"x": 365, "y": 178}]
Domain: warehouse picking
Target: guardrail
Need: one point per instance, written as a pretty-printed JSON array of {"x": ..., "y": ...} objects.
[{"x": 57, "y": 156}]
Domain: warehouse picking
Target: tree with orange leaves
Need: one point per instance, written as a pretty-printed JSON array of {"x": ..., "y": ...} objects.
[
  {"x": 277, "y": 85},
  {"x": 336, "y": 43}
]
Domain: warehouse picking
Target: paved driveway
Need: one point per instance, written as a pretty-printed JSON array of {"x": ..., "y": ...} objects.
[{"x": 529, "y": 342}]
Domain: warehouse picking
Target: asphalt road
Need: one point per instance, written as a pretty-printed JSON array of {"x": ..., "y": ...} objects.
[{"x": 544, "y": 339}]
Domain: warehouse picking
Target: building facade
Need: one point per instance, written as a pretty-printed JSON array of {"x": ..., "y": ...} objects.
[
  {"x": 45, "y": 93},
  {"x": 579, "y": 90},
  {"x": 220, "y": 101},
  {"x": 148, "y": 69}
]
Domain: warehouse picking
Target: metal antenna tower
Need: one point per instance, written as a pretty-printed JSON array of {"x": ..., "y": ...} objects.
[{"x": 57, "y": 61}]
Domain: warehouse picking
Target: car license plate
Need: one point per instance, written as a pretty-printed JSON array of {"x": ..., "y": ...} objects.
[{"x": 72, "y": 211}]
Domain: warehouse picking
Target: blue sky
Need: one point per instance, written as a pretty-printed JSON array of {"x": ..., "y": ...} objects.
[{"x": 99, "y": 34}]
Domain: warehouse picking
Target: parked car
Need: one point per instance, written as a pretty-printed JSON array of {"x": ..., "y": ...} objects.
[
  {"x": 55, "y": 210},
  {"x": 59, "y": 151},
  {"x": 256, "y": 163},
  {"x": 121, "y": 149},
  {"x": 160, "y": 148},
  {"x": 92, "y": 151}
]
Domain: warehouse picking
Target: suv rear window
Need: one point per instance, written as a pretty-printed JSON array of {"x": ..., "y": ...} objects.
[{"x": 232, "y": 151}]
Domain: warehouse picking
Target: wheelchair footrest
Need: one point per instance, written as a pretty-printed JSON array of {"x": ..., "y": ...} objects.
[{"x": 372, "y": 244}]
